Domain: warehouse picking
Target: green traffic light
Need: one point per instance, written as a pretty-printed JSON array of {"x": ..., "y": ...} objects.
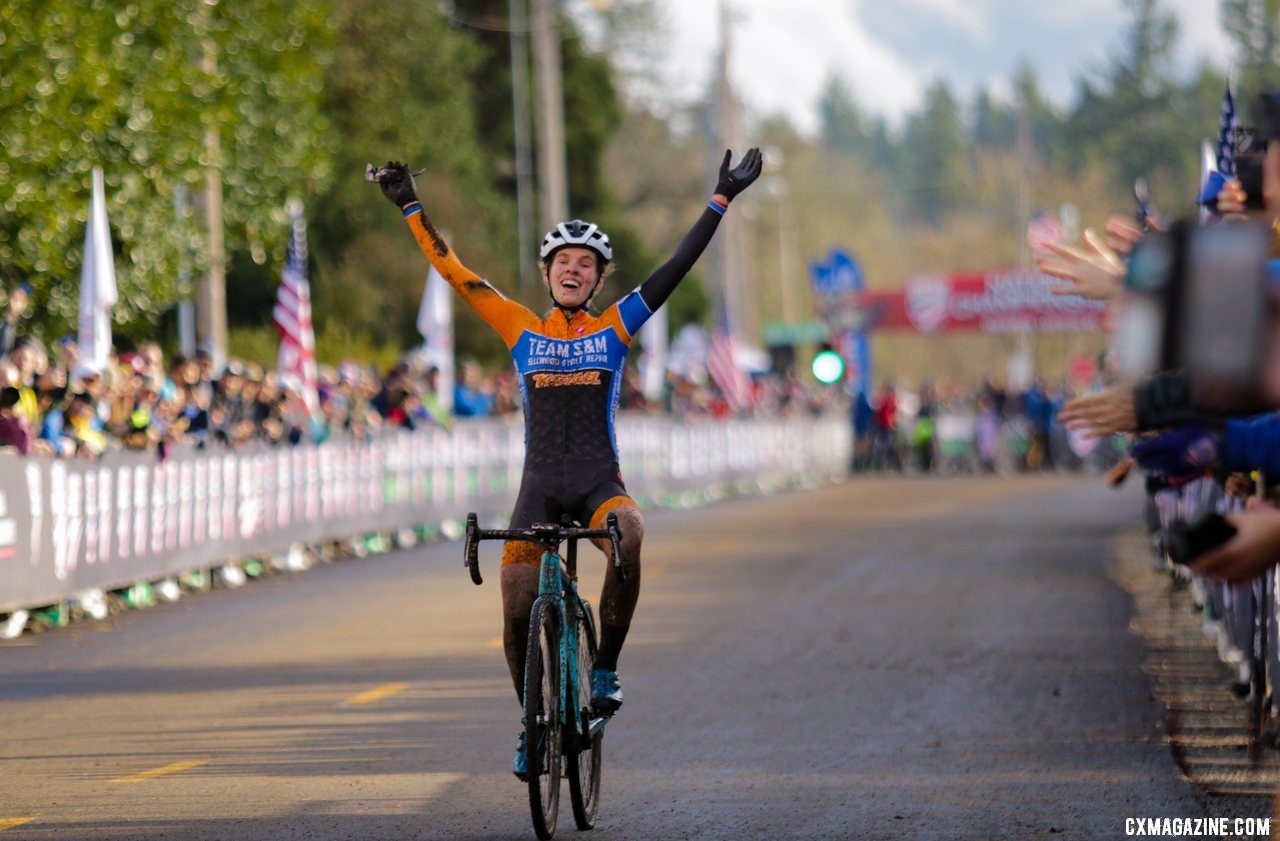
[{"x": 828, "y": 367}]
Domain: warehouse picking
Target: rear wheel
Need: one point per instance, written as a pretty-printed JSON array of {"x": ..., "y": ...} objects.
[
  {"x": 542, "y": 718},
  {"x": 583, "y": 752}
]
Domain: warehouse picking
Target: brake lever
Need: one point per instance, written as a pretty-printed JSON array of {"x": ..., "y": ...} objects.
[{"x": 471, "y": 549}]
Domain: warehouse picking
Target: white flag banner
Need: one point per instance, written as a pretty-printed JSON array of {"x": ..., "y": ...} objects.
[
  {"x": 435, "y": 323},
  {"x": 687, "y": 356},
  {"x": 97, "y": 281},
  {"x": 1208, "y": 168},
  {"x": 653, "y": 363}
]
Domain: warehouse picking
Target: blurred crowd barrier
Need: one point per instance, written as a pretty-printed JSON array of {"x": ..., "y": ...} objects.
[{"x": 71, "y": 526}]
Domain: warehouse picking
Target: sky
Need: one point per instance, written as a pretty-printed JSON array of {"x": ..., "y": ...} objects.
[{"x": 889, "y": 51}]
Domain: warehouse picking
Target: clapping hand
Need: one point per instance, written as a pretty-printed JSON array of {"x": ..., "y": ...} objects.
[
  {"x": 1094, "y": 271},
  {"x": 1102, "y": 413}
]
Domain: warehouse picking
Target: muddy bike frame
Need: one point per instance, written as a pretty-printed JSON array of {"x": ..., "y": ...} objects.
[{"x": 570, "y": 625}]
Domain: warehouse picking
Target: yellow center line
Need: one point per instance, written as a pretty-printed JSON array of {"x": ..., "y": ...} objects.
[
  {"x": 171, "y": 768},
  {"x": 10, "y": 823},
  {"x": 496, "y": 642},
  {"x": 376, "y": 694}
]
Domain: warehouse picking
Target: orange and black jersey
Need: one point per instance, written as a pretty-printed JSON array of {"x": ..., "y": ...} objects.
[{"x": 570, "y": 364}]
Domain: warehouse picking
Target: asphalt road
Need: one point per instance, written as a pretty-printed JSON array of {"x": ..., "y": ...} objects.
[{"x": 888, "y": 658}]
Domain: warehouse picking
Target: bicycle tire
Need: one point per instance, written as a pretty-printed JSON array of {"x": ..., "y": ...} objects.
[
  {"x": 583, "y": 758},
  {"x": 542, "y": 718}
]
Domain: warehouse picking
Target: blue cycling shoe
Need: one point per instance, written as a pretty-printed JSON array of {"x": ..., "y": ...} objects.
[
  {"x": 520, "y": 762},
  {"x": 606, "y": 695}
]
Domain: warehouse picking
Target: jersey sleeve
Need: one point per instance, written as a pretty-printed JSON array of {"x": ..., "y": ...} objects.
[
  {"x": 659, "y": 285},
  {"x": 633, "y": 312},
  {"x": 507, "y": 317}
]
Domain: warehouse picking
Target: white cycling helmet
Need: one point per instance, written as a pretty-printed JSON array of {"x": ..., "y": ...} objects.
[{"x": 579, "y": 233}]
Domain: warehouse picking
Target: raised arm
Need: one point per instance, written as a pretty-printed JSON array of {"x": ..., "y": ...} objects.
[
  {"x": 507, "y": 317},
  {"x": 659, "y": 285}
]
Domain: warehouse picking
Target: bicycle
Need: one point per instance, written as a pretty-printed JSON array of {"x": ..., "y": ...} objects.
[{"x": 556, "y": 671}]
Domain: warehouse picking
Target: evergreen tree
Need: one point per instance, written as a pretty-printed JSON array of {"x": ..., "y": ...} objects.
[
  {"x": 1125, "y": 117},
  {"x": 845, "y": 128},
  {"x": 1254, "y": 28},
  {"x": 934, "y": 156}
]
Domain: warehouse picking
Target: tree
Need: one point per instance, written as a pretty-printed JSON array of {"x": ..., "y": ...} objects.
[
  {"x": 402, "y": 86},
  {"x": 121, "y": 87},
  {"x": 845, "y": 128},
  {"x": 1254, "y": 28},
  {"x": 1125, "y": 116},
  {"x": 994, "y": 124},
  {"x": 933, "y": 152}
]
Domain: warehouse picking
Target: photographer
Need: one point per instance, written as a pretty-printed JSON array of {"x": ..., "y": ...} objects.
[{"x": 1202, "y": 401}]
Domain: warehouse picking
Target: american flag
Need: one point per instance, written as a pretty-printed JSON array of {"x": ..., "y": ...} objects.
[
  {"x": 1227, "y": 125},
  {"x": 723, "y": 366},
  {"x": 1218, "y": 165},
  {"x": 292, "y": 316},
  {"x": 1043, "y": 229}
]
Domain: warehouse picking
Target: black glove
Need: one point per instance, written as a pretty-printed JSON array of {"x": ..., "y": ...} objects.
[
  {"x": 734, "y": 181},
  {"x": 396, "y": 182}
]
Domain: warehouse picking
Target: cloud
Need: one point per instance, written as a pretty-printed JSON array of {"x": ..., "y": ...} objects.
[
  {"x": 1200, "y": 32},
  {"x": 888, "y": 52},
  {"x": 969, "y": 16},
  {"x": 783, "y": 63}
]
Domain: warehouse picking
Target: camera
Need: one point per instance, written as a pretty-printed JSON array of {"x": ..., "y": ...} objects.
[
  {"x": 1203, "y": 299},
  {"x": 375, "y": 173},
  {"x": 1187, "y": 541},
  {"x": 1249, "y": 169}
]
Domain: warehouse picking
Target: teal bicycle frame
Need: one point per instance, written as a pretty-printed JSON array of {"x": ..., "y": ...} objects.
[{"x": 557, "y": 589}]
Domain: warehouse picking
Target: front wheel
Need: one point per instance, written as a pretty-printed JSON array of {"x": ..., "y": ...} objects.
[
  {"x": 542, "y": 718},
  {"x": 583, "y": 753}
]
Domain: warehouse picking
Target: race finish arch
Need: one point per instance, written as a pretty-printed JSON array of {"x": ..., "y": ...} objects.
[
  {"x": 978, "y": 311},
  {"x": 1008, "y": 301}
]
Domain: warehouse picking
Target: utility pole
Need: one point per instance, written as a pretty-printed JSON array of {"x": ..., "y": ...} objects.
[
  {"x": 553, "y": 188},
  {"x": 1025, "y": 355},
  {"x": 729, "y": 242},
  {"x": 518, "y": 26},
  {"x": 211, "y": 299}
]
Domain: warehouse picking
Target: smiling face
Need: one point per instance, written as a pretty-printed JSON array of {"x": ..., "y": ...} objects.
[{"x": 573, "y": 276}]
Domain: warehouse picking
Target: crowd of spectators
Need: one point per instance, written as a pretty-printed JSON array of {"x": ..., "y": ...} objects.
[
  {"x": 55, "y": 401},
  {"x": 1185, "y": 433},
  {"x": 953, "y": 427}
]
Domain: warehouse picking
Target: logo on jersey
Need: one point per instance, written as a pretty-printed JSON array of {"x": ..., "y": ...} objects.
[
  {"x": 554, "y": 380},
  {"x": 556, "y": 353}
]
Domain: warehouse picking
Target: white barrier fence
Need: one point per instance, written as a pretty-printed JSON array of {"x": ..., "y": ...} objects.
[{"x": 68, "y": 526}]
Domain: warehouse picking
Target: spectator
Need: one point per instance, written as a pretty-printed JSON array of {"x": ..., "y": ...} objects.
[
  {"x": 12, "y": 315},
  {"x": 15, "y": 428},
  {"x": 84, "y": 427},
  {"x": 430, "y": 397},
  {"x": 470, "y": 399},
  {"x": 1040, "y": 411},
  {"x": 863, "y": 426},
  {"x": 29, "y": 359},
  {"x": 230, "y": 419},
  {"x": 923, "y": 430},
  {"x": 885, "y": 441}
]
